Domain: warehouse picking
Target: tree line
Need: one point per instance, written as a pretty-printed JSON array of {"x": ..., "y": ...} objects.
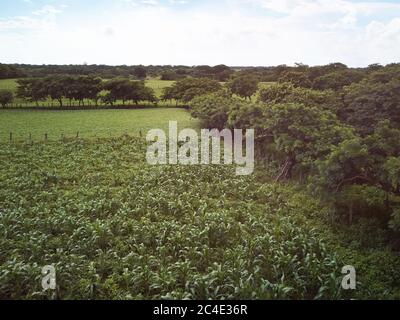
[
  {"x": 138, "y": 72},
  {"x": 316, "y": 77},
  {"x": 10, "y": 72},
  {"x": 80, "y": 89}
]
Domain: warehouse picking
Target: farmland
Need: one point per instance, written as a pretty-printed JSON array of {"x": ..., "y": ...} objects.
[
  {"x": 116, "y": 228},
  {"x": 77, "y": 193},
  {"x": 88, "y": 123}
]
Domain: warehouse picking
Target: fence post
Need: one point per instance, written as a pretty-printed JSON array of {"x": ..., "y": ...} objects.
[
  {"x": 11, "y": 136},
  {"x": 45, "y": 137},
  {"x": 77, "y": 135}
]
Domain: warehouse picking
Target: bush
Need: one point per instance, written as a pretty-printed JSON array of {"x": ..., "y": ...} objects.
[{"x": 212, "y": 109}]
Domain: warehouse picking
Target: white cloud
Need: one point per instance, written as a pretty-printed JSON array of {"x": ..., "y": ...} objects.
[
  {"x": 47, "y": 11},
  {"x": 149, "y": 2},
  {"x": 40, "y": 20},
  {"x": 178, "y": 2},
  {"x": 313, "y": 32}
]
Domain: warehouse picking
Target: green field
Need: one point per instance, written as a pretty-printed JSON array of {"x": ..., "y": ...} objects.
[
  {"x": 115, "y": 227},
  {"x": 159, "y": 85},
  {"x": 89, "y": 123},
  {"x": 8, "y": 84}
]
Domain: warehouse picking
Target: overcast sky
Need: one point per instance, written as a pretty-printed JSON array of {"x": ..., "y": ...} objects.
[{"x": 194, "y": 32}]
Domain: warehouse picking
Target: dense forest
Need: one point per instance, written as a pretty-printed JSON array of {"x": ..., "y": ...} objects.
[
  {"x": 299, "y": 72},
  {"x": 336, "y": 134}
]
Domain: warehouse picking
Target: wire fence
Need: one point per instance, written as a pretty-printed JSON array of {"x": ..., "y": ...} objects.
[
  {"x": 13, "y": 137},
  {"x": 89, "y": 105}
]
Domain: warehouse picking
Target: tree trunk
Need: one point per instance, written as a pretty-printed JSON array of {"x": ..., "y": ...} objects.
[{"x": 287, "y": 168}]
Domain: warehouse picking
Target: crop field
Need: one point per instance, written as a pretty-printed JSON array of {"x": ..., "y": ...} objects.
[
  {"x": 88, "y": 123},
  {"x": 117, "y": 228}
]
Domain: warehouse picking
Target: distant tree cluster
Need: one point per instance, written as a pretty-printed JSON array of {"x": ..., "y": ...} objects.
[
  {"x": 332, "y": 76},
  {"x": 220, "y": 73},
  {"x": 186, "y": 89},
  {"x": 10, "y": 72},
  {"x": 244, "y": 86},
  {"x": 126, "y": 90},
  {"x": 102, "y": 71},
  {"x": 82, "y": 88}
]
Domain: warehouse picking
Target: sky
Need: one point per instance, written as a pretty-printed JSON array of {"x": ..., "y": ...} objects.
[{"x": 197, "y": 32}]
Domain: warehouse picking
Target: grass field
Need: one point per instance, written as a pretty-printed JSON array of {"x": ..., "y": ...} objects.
[
  {"x": 9, "y": 84},
  {"x": 159, "y": 85},
  {"x": 89, "y": 123}
]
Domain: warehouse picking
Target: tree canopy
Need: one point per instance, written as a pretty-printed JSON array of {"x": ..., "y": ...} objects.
[{"x": 6, "y": 97}]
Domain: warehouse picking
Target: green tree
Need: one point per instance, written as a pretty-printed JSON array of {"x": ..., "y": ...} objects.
[
  {"x": 186, "y": 89},
  {"x": 338, "y": 79},
  {"x": 140, "y": 72},
  {"x": 212, "y": 109},
  {"x": 288, "y": 93},
  {"x": 34, "y": 90},
  {"x": 119, "y": 89},
  {"x": 361, "y": 176},
  {"x": 10, "y": 72},
  {"x": 244, "y": 86},
  {"x": 55, "y": 87},
  {"x": 297, "y": 78},
  {"x": 296, "y": 134},
  {"x": 6, "y": 97},
  {"x": 371, "y": 101},
  {"x": 91, "y": 86}
]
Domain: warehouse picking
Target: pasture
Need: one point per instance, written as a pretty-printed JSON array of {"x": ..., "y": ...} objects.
[{"x": 89, "y": 123}]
